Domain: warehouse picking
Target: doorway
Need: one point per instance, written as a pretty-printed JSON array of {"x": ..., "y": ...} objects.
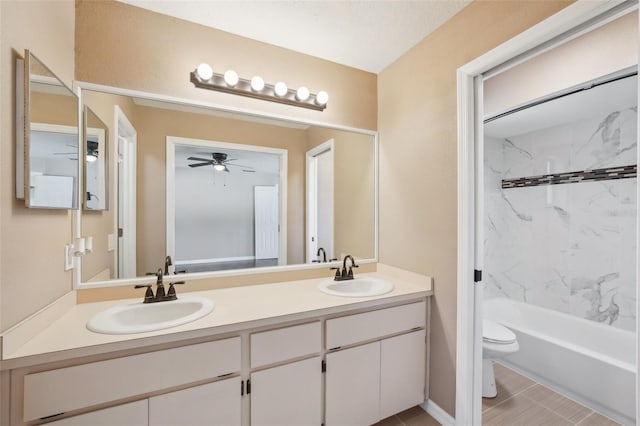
[
  {"x": 320, "y": 212},
  {"x": 568, "y": 24}
]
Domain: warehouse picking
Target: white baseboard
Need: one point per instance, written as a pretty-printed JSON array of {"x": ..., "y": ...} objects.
[{"x": 438, "y": 413}]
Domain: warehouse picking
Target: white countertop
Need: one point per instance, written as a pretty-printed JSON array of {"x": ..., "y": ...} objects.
[{"x": 235, "y": 309}]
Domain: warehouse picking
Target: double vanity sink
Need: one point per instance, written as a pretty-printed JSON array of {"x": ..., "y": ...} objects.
[{"x": 145, "y": 317}]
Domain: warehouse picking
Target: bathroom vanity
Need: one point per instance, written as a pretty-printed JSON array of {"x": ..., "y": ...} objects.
[{"x": 282, "y": 353}]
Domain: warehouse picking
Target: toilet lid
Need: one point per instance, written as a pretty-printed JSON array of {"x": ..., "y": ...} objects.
[{"x": 496, "y": 333}]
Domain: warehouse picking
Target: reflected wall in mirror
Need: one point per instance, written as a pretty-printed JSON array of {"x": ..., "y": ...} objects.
[
  {"x": 96, "y": 167},
  {"x": 47, "y": 150},
  {"x": 213, "y": 213}
]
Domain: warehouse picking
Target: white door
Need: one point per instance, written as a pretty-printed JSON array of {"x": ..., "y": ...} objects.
[
  {"x": 127, "y": 147},
  {"x": 402, "y": 372},
  {"x": 217, "y": 403},
  {"x": 288, "y": 395},
  {"x": 320, "y": 178},
  {"x": 266, "y": 217},
  {"x": 132, "y": 414},
  {"x": 353, "y": 386}
]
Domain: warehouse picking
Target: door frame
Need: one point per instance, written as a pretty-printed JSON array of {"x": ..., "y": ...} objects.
[
  {"x": 571, "y": 22},
  {"x": 172, "y": 141},
  {"x": 126, "y": 219},
  {"x": 312, "y": 222}
]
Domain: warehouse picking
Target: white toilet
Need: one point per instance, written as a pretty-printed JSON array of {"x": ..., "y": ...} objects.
[{"x": 497, "y": 341}]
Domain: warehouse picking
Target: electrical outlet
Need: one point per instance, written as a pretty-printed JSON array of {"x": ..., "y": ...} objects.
[{"x": 68, "y": 257}]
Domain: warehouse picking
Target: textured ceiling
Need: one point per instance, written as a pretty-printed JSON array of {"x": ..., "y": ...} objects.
[{"x": 368, "y": 35}]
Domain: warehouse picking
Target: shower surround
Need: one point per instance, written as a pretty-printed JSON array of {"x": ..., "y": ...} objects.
[{"x": 568, "y": 247}]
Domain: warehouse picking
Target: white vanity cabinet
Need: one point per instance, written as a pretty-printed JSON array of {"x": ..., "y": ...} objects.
[
  {"x": 212, "y": 404},
  {"x": 368, "y": 382},
  {"x": 80, "y": 387},
  {"x": 290, "y": 393},
  {"x": 333, "y": 368},
  {"x": 132, "y": 414}
]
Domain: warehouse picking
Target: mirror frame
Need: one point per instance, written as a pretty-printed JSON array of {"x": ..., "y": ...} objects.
[
  {"x": 103, "y": 157},
  {"x": 79, "y": 86},
  {"x": 23, "y": 132}
]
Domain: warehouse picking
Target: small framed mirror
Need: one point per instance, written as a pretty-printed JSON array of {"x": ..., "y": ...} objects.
[
  {"x": 47, "y": 150},
  {"x": 96, "y": 167}
]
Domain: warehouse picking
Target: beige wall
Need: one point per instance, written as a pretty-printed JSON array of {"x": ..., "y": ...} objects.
[
  {"x": 31, "y": 258},
  {"x": 99, "y": 224},
  {"x": 354, "y": 191},
  {"x": 603, "y": 51},
  {"x": 124, "y": 46},
  {"x": 417, "y": 124}
]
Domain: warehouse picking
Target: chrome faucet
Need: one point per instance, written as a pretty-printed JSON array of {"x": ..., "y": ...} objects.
[{"x": 344, "y": 274}]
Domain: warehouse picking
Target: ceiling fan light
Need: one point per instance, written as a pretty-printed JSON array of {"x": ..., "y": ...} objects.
[
  {"x": 219, "y": 167},
  {"x": 91, "y": 158}
]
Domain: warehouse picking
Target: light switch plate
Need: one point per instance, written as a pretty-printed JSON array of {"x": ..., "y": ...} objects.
[{"x": 111, "y": 242}]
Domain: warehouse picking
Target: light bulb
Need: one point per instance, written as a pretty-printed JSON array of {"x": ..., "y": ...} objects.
[
  {"x": 257, "y": 83},
  {"x": 219, "y": 167},
  {"x": 280, "y": 89},
  {"x": 91, "y": 158},
  {"x": 322, "y": 98},
  {"x": 231, "y": 78},
  {"x": 204, "y": 71},
  {"x": 302, "y": 94}
]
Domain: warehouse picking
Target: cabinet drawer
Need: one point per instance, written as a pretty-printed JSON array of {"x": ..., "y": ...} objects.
[
  {"x": 286, "y": 343},
  {"x": 371, "y": 325},
  {"x": 132, "y": 414},
  {"x": 57, "y": 391}
]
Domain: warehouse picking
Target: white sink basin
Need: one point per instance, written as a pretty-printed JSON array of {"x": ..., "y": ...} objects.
[
  {"x": 142, "y": 317},
  {"x": 357, "y": 287}
]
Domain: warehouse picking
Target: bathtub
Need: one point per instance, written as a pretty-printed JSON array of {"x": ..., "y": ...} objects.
[{"x": 589, "y": 362}]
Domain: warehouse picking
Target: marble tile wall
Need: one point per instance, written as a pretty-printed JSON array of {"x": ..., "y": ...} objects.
[{"x": 568, "y": 247}]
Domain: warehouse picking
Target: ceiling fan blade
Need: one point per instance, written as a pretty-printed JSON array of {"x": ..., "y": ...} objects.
[
  {"x": 201, "y": 159},
  {"x": 240, "y": 165},
  {"x": 249, "y": 171},
  {"x": 65, "y": 153},
  {"x": 200, "y": 164}
]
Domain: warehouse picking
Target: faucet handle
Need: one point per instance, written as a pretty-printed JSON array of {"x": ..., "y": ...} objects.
[
  {"x": 338, "y": 277},
  {"x": 148, "y": 295}
]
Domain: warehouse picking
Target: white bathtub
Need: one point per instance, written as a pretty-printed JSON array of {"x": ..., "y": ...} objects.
[{"x": 589, "y": 362}]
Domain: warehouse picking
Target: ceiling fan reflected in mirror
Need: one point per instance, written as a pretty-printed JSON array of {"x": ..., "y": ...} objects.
[{"x": 220, "y": 163}]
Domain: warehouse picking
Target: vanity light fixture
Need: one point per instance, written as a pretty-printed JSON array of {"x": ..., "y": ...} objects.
[{"x": 204, "y": 78}]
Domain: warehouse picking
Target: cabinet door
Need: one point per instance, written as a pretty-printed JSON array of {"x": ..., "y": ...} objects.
[
  {"x": 402, "y": 372},
  {"x": 353, "y": 386},
  {"x": 132, "y": 414},
  {"x": 290, "y": 394},
  {"x": 215, "y": 403}
]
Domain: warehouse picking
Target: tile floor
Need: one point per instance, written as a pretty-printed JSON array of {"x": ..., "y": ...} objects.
[{"x": 520, "y": 402}]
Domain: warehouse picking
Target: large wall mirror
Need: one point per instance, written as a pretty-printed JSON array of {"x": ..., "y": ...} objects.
[
  {"x": 221, "y": 191},
  {"x": 47, "y": 150}
]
